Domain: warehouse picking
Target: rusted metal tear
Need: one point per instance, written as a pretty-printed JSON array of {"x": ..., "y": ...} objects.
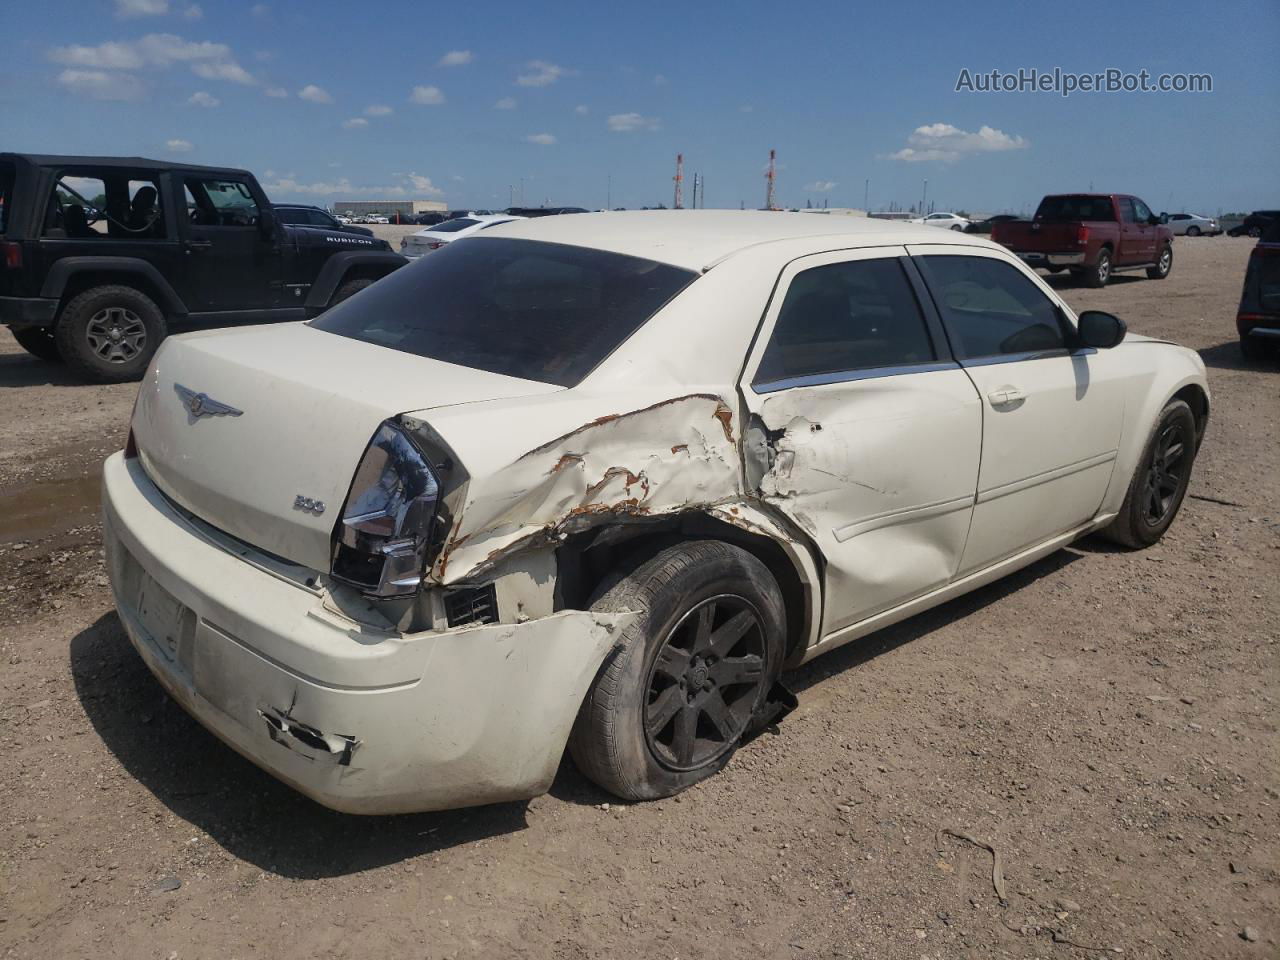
[{"x": 725, "y": 416}]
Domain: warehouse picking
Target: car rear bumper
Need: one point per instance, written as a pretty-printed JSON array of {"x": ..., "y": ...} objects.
[
  {"x": 1053, "y": 259},
  {"x": 361, "y": 719},
  {"x": 21, "y": 312},
  {"x": 1268, "y": 329}
]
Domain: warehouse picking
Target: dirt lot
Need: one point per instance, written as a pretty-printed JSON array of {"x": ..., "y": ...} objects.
[{"x": 1105, "y": 720}]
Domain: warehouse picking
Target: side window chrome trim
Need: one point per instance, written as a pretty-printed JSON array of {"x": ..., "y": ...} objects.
[
  {"x": 848, "y": 376},
  {"x": 1015, "y": 357}
]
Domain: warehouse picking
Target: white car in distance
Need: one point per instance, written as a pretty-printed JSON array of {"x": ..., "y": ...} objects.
[
  {"x": 595, "y": 481},
  {"x": 433, "y": 238},
  {"x": 950, "y": 221},
  {"x": 1193, "y": 225}
]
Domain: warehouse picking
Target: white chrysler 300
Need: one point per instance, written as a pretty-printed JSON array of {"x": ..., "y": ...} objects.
[{"x": 595, "y": 481}]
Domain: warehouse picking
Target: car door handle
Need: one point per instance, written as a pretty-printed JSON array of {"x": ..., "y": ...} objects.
[
  {"x": 1005, "y": 396},
  {"x": 194, "y": 246}
]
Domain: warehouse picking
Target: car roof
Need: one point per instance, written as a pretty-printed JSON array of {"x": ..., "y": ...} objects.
[
  {"x": 132, "y": 163},
  {"x": 698, "y": 239}
]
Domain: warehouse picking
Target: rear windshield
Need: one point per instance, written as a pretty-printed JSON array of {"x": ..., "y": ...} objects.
[
  {"x": 6, "y": 194},
  {"x": 523, "y": 308},
  {"x": 453, "y": 226},
  {"x": 1075, "y": 208}
]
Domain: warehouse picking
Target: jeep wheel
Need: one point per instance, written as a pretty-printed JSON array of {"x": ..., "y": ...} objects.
[
  {"x": 1163, "y": 265},
  {"x": 349, "y": 289},
  {"x": 1100, "y": 273},
  {"x": 674, "y": 698},
  {"x": 109, "y": 334},
  {"x": 39, "y": 342}
]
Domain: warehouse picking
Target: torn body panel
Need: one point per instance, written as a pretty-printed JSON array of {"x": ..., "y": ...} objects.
[
  {"x": 880, "y": 472},
  {"x": 649, "y": 460}
]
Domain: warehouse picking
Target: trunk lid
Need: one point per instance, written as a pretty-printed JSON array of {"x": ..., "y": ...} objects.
[{"x": 308, "y": 402}]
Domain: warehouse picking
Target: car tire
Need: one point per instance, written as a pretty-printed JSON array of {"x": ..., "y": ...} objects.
[
  {"x": 39, "y": 342},
  {"x": 1255, "y": 231},
  {"x": 1159, "y": 483},
  {"x": 957, "y": 227},
  {"x": 109, "y": 334},
  {"x": 1163, "y": 265},
  {"x": 1193, "y": 231},
  {"x": 349, "y": 289},
  {"x": 1098, "y": 275},
  {"x": 671, "y": 701},
  {"x": 1057, "y": 269}
]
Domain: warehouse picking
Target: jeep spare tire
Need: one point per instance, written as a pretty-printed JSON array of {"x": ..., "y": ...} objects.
[{"x": 108, "y": 334}]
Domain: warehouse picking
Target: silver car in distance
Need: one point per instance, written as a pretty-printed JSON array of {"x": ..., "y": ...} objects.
[{"x": 594, "y": 482}]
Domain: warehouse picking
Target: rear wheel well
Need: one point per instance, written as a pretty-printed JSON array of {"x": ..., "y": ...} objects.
[
  {"x": 591, "y": 562},
  {"x": 1198, "y": 401},
  {"x": 84, "y": 280}
]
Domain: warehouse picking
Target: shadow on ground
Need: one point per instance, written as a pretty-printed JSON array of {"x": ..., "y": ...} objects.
[
  {"x": 262, "y": 821},
  {"x": 1227, "y": 356},
  {"x": 252, "y": 815},
  {"x": 24, "y": 370}
]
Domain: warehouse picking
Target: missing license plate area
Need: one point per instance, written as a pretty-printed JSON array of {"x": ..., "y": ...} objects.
[{"x": 164, "y": 618}]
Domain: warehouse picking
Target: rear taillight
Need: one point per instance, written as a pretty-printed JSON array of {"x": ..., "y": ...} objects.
[
  {"x": 381, "y": 542},
  {"x": 11, "y": 254},
  {"x": 435, "y": 244},
  {"x": 1082, "y": 236}
]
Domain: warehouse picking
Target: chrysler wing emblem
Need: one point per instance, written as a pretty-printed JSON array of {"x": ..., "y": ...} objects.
[{"x": 203, "y": 405}]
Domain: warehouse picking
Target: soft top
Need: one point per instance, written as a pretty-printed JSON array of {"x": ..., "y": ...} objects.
[{"x": 131, "y": 163}]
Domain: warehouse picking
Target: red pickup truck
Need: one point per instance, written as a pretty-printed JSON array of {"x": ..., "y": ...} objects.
[{"x": 1091, "y": 234}]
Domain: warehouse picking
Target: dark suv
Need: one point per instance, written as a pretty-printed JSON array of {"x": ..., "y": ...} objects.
[
  {"x": 101, "y": 256},
  {"x": 301, "y": 215}
]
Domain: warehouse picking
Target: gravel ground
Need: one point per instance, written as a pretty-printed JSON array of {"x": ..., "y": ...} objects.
[{"x": 1105, "y": 720}]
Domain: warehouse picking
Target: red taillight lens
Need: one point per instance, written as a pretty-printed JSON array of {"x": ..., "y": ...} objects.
[
  {"x": 435, "y": 245},
  {"x": 11, "y": 254},
  {"x": 1082, "y": 236}
]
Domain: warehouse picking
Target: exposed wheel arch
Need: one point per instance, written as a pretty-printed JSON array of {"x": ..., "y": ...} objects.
[
  {"x": 1198, "y": 401},
  {"x": 590, "y": 562}
]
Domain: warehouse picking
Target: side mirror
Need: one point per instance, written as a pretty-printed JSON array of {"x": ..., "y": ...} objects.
[
  {"x": 1100, "y": 330},
  {"x": 1156, "y": 221}
]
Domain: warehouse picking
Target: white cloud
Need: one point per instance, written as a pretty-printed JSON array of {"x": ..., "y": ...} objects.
[
  {"x": 141, "y": 8},
  {"x": 202, "y": 99},
  {"x": 582, "y": 109},
  {"x": 427, "y": 96},
  {"x": 105, "y": 56},
  {"x": 944, "y": 143},
  {"x": 377, "y": 110},
  {"x": 213, "y": 61},
  {"x": 746, "y": 108},
  {"x": 820, "y": 186},
  {"x": 627, "y": 122},
  {"x": 660, "y": 80},
  {"x": 455, "y": 58},
  {"x": 314, "y": 94},
  {"x": 540, "y": 73},
  {"x": 506, "y": 103},
  {"x": 424, "y": 185},
  {"x": 100, "y": 85},
  {"x": 276, "y": 92},
  {"x": 223, "y": 70},
  {"x": 355, "y": 123},
  {"x": 260, "y": 10},
  {"x": 193, "y": 12},
  {"x": 541, "y": 139},
  {"x": 263, "y": 56},
  {"x": 179, "y": 146}
]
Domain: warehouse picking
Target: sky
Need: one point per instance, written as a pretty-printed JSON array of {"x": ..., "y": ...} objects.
[{"x": 482, "y": 104}]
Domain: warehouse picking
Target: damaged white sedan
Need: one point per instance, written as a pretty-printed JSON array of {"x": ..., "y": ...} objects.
[{"x": 594, "y": 482}]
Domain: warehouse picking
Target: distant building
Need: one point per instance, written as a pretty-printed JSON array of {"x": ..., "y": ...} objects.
[{"x": 388, "y": 207}]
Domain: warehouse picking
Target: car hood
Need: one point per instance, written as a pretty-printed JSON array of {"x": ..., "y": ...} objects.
[{"x": 287, "y": 413}]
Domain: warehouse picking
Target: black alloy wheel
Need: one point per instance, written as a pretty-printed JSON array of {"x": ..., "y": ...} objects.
[{"x": 704, "y": 683}]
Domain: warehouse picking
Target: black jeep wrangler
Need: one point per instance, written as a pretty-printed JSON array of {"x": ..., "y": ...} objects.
[{"x": 100, "y": 257}]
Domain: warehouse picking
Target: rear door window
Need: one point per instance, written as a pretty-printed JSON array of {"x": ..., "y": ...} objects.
[
  {"x": 992, "y": 309},
  {"x": 118, "y": 205},
  {"x": 843, "y": 317}
]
